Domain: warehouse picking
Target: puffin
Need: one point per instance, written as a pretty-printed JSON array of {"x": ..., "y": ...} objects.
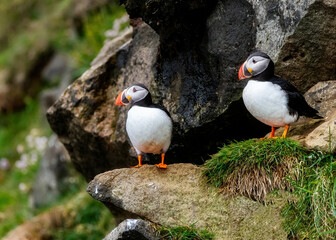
[
  {"x": 271, "y": 99},
  {"x": 148, "y": 125}
]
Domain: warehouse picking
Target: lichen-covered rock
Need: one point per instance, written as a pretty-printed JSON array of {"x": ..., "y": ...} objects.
[
  {"x": 179, "y": 195},
  {"x": 322, "y": 97},
  {"x": 133, "y": 229},
  {"x": 324, "y": 136},
  {"x": 188, "y": 56},
  {"x": 308, "y": 56},
  {"x": 84, "y": 118}
]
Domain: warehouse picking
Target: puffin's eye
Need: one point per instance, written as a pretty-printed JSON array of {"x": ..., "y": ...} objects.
[
  {"x": 134, "y": 90},
  {"x": 254, "y": 61}
]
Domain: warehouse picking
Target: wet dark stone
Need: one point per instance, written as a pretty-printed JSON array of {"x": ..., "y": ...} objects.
[{"x": 133, "y": 229}]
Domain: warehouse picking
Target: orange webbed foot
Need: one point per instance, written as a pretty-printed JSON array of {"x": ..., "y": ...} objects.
[
  {"x": 271, "y": 135},
  {"x": 161, "y": 165},
  {"x": 137, "y": 166},
  {"x": 140, "y": 162}
]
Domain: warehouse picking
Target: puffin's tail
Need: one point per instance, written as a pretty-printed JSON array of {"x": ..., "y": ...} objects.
[{"x": 311, "y": 112}]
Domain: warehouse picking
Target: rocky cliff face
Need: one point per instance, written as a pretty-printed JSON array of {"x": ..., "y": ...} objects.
[
  {"x": 179, "y": 195},
  {"x": 188, "y": 53}
]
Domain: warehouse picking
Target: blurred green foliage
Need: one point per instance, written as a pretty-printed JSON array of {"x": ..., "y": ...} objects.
[
  {"x": 28, "y": 27},
  {"x": 84, "y": 47},
  {"x": 37, "y": 25},
  {"x": 15, "y": 126},
  {"x": 93, "y": 221}
]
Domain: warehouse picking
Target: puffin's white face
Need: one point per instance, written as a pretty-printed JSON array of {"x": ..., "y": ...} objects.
[
  {"x": 132, "y": 94},
  {"x": 253, "y": 66}
]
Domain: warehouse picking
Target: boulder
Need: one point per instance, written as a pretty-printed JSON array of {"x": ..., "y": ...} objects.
[
  {"x": 187, "y": 53},
  {"x": 133, "y": 229},
  {"x": 180, "y": 195},
  {"x": 322, "y": 97},
  {"x": 308, "y": 56},
  {"x": 324, "y": 136}
]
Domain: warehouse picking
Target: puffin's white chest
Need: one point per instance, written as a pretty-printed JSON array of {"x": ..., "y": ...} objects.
[
  {"x": 268, "y": 103},
  {"x": 149, "y": 129}
]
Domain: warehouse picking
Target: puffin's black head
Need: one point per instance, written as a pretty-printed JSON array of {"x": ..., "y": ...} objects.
[
  {"x": 133, "y": 94},
  {"x": 257, "y": 64}
]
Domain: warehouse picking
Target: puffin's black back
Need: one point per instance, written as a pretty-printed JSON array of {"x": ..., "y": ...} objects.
[{"x": 296, "y": 102}]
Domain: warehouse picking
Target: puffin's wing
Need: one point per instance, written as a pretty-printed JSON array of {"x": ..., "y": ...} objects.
[
  {"x": 160, "y": 107},
  {"x": 296, "y": 102}
]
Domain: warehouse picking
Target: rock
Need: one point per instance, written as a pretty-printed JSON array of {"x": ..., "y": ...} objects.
[
  {"x": 188, "y": 56},
  {"x": 84, "y": 118},
  {"x": 324, "y": 136},
  {"x": 116, "y": 29},
  {"x": 309, "y": 54},
  {"x": 322, "y": 97},
  {"x": 51, "y": 175},
  {"x": 133, "y": 229},
  {"x": 179, "y": 195}
]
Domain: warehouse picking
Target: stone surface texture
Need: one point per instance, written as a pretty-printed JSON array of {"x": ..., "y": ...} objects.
[
  {"x": 188, "y": 53},
  {"x": 133, "y": 229},
  {"x": 179, "y": 195}
]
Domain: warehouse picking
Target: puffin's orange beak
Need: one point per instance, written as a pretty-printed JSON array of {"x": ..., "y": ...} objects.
[
  {"x": 241, "y": 72},
  {"x": 119, "y": 98}
]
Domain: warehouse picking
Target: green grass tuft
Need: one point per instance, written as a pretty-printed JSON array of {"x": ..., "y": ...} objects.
[
  {"x": 184, "y": 233},
  {"x": 313, "y": 215},
  {"x": 253, "y": 168}
]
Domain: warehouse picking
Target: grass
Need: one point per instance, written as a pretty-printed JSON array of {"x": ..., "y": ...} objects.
[
  {"x": 313, "y": 215},
  {"x": 184, "y": 233},
  {"x": 253, "y": 168}
]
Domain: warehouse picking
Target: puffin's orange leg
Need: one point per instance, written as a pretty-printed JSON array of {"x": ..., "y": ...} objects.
[
  {"x": 285, "y": 132},
  {"x": 162, "y": 165},
  {"x": 140, "y": 162},
  {"x": 272, "y": 134}
]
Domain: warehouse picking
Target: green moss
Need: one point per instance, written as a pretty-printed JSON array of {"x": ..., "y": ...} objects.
[
  {"x": 253, "y": 167},
  {"x": 185, "y": 233}
]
